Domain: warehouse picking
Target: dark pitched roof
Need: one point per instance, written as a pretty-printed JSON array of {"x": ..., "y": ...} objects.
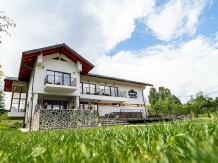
[
  {"x": 29, "y": 57},
  {"x": 117, "y": 79},
  {"x": 11, "y": 78}
]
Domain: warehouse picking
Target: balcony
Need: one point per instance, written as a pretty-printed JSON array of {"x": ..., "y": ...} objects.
[
  {"x": 55, "y": 83},
  {"x": 103, "y": 94}
]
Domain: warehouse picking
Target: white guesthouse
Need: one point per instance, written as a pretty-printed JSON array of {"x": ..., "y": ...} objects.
[{"x": 56, "y": 77}]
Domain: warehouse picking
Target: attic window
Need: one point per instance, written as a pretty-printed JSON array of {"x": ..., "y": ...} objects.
[
  {"x": 56, "y": 58},
  {"x": 63, "y": 60},
  {"x": 59, "y": 58}
]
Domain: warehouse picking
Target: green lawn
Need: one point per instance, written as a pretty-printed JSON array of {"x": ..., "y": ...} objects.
[{"x": 178, "y": 141}]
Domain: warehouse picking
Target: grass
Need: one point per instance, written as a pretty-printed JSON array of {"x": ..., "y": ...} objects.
[{"x": 177, "y": 141}]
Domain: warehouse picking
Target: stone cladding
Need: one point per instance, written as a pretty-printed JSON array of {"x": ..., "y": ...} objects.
[{"x": 49, "y": 119}]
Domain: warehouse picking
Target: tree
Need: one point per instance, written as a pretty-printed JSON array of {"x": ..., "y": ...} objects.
[
  {"x": 163, "y": 100},
  {"x": 5, "y": 22},
  {"x": 201, "y": 104},
  {"x": 2, "y": 102},
  {"x": 153, "y": 96}
]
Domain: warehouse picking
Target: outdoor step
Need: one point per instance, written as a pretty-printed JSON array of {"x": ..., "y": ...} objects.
[
  {"x": 115, "y": 124},
  {"x": 117, "y": 120},
  {"x": 112, "y": 122}
]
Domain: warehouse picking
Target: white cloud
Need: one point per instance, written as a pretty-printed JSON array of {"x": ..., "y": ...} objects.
[
  {"x": 176, "y": 18},
  {"x": 185, "y": 69},
  {"x": 94, "y": 27},
  {"x": 89, "y": 27}
]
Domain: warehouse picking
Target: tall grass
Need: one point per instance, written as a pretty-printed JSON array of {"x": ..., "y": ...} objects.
[{"x": 158, "y": 142}]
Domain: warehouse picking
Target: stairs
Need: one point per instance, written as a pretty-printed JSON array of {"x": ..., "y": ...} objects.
[{"x": 104, "y": 121}]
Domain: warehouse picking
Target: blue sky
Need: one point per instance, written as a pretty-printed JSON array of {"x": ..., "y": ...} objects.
[
  {"x": 171, "y": 43},
  {"x": 142, "y": 37}
]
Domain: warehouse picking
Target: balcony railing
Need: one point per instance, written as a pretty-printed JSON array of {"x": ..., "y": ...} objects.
[
  {"x": 60, "y": 80},
  {"x": 102, "y": 92}
]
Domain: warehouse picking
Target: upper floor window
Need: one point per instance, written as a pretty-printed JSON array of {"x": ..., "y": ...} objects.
[
  {"x": 59, "y": 78},
  {"x": 18, "y": 98},
  {"x": 59, "y": 58},
  {"x": 109, "y": 90},
  {"x": 88, "y": 88}
]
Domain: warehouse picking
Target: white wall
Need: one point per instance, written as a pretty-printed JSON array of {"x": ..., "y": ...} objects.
[
  {"x": 40, "y": 73},
  {"x": 55, "y": 65},
  {"x": 122, "y": 86}
]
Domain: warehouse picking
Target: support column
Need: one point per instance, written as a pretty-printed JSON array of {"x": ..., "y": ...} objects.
[{"x": 77, "y": 102}]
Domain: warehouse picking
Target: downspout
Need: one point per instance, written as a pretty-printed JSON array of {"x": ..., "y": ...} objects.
[
  {"x": 31, "y": 116},
  {"x": 24, "y": 125},
  {"x": 144, "y": 101},
  {"x": 32, "y": 95}
]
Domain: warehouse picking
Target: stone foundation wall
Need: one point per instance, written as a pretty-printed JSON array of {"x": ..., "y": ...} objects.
[{"x": 63, "y": 119}]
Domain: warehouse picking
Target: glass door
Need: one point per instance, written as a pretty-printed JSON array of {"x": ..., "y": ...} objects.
[{"x": 66, "y": 79}]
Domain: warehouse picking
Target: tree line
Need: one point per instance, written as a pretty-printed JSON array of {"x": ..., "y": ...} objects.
[{"x": 162, "y": 101}]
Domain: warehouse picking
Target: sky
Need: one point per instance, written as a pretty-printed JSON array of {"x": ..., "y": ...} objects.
[{"x": 170, "y": 43}]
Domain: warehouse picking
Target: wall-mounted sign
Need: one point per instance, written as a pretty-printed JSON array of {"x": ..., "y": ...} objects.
[{"x": 132, "y": 94}]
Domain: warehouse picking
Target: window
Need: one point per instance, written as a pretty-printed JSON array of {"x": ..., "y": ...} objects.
[
  {"x": 59, "y": 58},
  {"x": 63, "y": 60},
  {"x": 56, "y": 58},
  {"x": 18, "y": 99},
  {"x": 55, "y": 104},
  {"x": 135, "y": 105},
  {"x": 59, "y": 78},
  {"x": 115, "y": 104},
  {"x": 109, "y": 90},
  {"x": 85, "y": 105},
  {"x": 88, "y": 88}
]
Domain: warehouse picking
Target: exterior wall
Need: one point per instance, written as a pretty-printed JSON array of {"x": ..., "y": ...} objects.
[
  {"x": 39, "y": 76},
  {"x": 62, "y": 119},
  {"x": 107, "y": 107},
  {"x": 55, "y": 65}
]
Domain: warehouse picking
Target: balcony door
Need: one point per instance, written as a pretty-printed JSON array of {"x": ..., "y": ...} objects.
[
  {"x": 59, "y": 78},
  {"x": 88, "y": 88},
  {"x": 109, "y": 90}
]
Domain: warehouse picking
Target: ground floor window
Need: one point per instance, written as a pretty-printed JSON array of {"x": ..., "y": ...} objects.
[
  {"x": 88, "y": 105},
  {"x": 55, "y": 104}
]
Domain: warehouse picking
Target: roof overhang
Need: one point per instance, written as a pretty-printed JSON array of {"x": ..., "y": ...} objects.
[
  {"x": 8, "y": 83},
  {"x": 29, "y": 58},
  {"x": 117, "y": 79}
]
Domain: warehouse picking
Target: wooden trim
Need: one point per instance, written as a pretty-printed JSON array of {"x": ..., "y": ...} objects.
[
  {"x": 104, "y": 104},
  {"x": 125, "y": 104},
  {"x": 12, "y": 97}
]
